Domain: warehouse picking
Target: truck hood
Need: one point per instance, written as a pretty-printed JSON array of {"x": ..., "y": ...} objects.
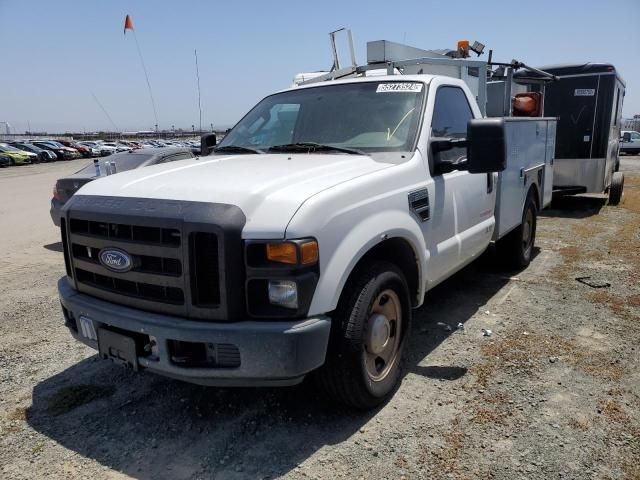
[{"x": 267, "y": 188}]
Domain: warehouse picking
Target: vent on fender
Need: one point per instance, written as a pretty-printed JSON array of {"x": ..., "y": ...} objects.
[{"x": 419, "y": 203}]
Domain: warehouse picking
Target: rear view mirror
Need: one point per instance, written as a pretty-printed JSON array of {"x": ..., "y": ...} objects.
[
  {"x": 626, "y": 137},
  {"x": 486, "y": 146},
  {"x": 207, "y": 142}
]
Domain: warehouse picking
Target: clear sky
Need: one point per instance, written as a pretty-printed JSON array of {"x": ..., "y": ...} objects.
[{"x": 57, "y": 54}]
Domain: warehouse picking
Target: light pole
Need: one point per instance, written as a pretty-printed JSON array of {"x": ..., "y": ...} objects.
[{"x": 212, "y": 128}]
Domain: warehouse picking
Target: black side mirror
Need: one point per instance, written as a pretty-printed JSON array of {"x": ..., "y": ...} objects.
[
  {"x": 486, "y": 145},
  {"x": 207, "y": 142},
  {"x": 444, "y": 165},
  {"x": 626, "y": 137}
]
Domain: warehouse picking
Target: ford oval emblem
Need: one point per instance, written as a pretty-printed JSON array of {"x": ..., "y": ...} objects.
[{"x": 115, "y": 259}]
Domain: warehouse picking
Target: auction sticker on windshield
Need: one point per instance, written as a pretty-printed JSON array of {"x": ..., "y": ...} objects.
[{"x": 399, "y": 87}]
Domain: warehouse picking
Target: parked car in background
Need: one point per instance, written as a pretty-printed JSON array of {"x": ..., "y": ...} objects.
[
  {"x": 97, "y": 148},
  {"x": 82, "y": 149},
  {"x": 66, "y": 187},
  {"x": 630, "y": 142},
  {"x": 5, "y": 161},
  {"x": 43, "y": 155},
  {"x": 63, "y": 153},
  {"x": 132, "y": 145},
  {"x": 16, "y": 156},
  {"x": 119, "y": 147}
]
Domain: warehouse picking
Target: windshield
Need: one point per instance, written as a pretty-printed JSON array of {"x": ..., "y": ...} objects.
[
  {"x": 124, "y": 161},
  {"x": 28, "y": 146},
  {"x": 364, "y": 116},
  {"x": 8, "y": 148}
]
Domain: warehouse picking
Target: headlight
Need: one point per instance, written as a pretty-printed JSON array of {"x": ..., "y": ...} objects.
[
  {"x": 281, "y": 277},
  {"x": 283, "y": 293}
]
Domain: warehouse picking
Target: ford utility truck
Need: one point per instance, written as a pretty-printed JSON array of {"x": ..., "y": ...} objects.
[{"x": 302, "y": 242}]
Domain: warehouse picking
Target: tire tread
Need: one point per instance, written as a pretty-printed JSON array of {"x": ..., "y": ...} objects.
[{"x": 337, "y": 377}]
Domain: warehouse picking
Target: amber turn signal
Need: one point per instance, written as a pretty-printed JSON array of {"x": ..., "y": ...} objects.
[
  {"x": 282, "y": 252},
  {"x": 287, "y": 252},
  {"x": 309, "y": 252}
]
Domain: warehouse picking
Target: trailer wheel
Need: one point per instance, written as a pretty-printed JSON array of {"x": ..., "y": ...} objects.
[
  {"x": 516, "y": 248},
  {"x": 615, "y": 190},
  {"x": 368, "y": 335}
]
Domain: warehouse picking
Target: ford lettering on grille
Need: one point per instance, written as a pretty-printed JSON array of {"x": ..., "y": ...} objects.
[{"x": 115, "y": 259}]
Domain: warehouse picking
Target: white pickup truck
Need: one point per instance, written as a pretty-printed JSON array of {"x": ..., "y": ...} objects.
[{"x": 304, "y": 240}]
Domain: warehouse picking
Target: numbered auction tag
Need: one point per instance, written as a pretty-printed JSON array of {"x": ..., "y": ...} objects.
[{"x": 399, "y": 87}]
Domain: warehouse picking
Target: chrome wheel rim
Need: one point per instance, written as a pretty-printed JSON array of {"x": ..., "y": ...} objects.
[{"x": 382, "y": 335}]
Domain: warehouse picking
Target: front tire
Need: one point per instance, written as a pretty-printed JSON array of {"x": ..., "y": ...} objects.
[
  {"x": 368, "y": 335},
  {"x": 516, "y": 248}
]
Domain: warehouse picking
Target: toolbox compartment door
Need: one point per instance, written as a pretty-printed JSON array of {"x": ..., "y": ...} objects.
[{"x": 528, "y": 141}]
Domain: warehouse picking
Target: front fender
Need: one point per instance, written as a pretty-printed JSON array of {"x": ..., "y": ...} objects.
[{"x": 339, "y": 255}]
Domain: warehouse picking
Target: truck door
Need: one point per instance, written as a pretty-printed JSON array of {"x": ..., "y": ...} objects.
[{"x": 463, "y": 203}]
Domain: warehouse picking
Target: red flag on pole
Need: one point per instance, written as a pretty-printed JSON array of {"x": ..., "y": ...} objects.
[{"x": 128, "y": 24}]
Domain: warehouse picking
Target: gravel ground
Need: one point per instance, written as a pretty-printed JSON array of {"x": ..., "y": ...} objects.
[{"x": 553, "y": 393}]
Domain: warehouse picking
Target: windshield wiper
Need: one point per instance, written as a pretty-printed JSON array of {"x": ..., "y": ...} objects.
[
  {"x": 236, "y": 149},
  {"x": 313, "y": 147}
]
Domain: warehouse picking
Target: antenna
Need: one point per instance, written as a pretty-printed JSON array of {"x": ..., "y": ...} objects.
[{"x": 198, "y": 78}]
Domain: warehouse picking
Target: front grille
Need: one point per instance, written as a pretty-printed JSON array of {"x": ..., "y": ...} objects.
[
  {"x": 144, "y": 291},
  {"x": 144, "y": 264},
  {"x": 133, "y": 233},
  {"x": 65, "y": 246},
  {"x": 157, "y": 280},
  {"x": 204, "y": 269},
  {"x": 178, "y": 258}
]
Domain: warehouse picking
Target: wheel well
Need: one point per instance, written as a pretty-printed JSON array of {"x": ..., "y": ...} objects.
[
  {"x": 399, "y": 252},
  {"x": 533, "y": 190}
]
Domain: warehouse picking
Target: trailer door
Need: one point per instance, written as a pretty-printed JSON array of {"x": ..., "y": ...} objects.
[{"x": 573, "y": 101}]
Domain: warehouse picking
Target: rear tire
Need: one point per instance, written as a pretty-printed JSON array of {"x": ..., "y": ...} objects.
[
  {"x": 516, "y": 248},
  {"x": 368, "y": 335},
  {"x": 616, "y": 188}
]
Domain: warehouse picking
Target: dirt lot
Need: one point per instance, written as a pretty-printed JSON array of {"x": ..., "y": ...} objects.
[{"x": 553, "y": 393}]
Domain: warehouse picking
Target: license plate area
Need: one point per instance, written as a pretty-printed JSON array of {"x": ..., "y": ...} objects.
[
  {"x": 118, "y": 348},
  {"x": 87, "y": 329}
]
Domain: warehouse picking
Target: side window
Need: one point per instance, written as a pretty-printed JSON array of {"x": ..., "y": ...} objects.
[
  {"x": 451, "y": 113},
  {"x": 635, "y": 137}
]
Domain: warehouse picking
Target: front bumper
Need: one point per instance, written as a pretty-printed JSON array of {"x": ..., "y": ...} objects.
[{"x": 272, "y": 353}]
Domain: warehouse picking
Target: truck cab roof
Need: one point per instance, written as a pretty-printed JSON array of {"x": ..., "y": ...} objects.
[{"x": 423, "y": 78}]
